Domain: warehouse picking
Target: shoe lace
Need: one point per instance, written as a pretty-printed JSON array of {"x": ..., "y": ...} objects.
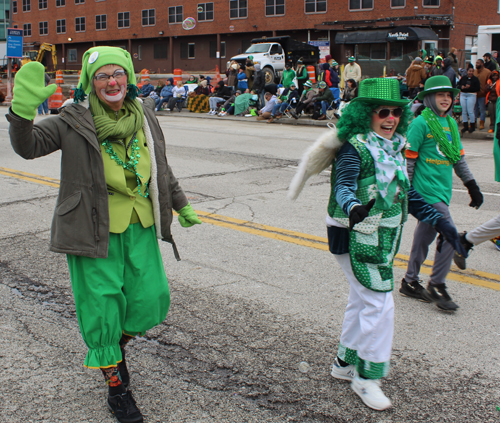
[{"x": 127, "y": 403}]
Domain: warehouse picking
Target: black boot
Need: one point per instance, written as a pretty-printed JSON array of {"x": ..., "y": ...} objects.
[
  {"x": 472, "y": 127},
  {"x": 124, "y": 408},
  {"x": 465, "y": 128}
]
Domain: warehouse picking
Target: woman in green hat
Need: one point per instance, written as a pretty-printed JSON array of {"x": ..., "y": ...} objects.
[
  {"x": 115, "y": 199},
  {"x": 434, "y": 151},
  {"x": 369, "y": 201}
]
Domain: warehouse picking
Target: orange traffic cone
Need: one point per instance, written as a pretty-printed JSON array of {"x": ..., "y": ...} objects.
[
  {"x": 56, "y": 99},
  {"x": 59, "y": 77},
  {"x": 217, "y": 74}
]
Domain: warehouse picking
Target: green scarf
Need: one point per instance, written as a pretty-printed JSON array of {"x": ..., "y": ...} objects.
[
  {"x": 131, "y": 122},
  {"x": 449, "y": 147}
]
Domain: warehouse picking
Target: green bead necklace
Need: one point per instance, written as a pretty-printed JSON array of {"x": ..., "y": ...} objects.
[
  {"x": 450, "y": 150},
  {"x": 131, "y": 164}
]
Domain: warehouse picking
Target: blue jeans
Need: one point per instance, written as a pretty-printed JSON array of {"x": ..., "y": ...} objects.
[
  {"x": 481, "y": 108},
  {"x": 160, "y": 101},
  {"x": 281, "y": 107},
  {"x": 324, "y": 105},
  {"x": 44, "y": 107},
  {"x": 468, "y": 103}
]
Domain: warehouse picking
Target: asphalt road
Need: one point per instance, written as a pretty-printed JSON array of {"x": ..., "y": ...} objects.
[{"x": 256, "y": 294}]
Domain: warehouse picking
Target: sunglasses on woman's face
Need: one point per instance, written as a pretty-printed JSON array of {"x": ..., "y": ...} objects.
[{"x": 384, "y": 113}]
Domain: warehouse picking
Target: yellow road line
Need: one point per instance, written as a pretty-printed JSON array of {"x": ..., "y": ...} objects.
[{"x": 474, "y": 277}]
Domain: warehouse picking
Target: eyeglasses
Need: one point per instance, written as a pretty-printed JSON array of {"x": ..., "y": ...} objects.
[
  {"x": 119, "y": 74},
  {"x": 384, "y": 113}
]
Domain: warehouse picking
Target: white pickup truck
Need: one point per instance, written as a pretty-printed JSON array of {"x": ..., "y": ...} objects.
[{"x": 272, "y": 53}]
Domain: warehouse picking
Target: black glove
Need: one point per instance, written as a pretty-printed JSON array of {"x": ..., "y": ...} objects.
[
  {"x": 449, "y": 232},
  {"x": 475, "y": 194},
  {"x": 359, "y": 213}
]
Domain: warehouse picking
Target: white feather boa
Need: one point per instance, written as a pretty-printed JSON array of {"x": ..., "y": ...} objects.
[{"x": 317, "y": 158}]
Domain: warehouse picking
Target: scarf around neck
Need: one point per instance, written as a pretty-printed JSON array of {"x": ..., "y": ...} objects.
[
  {"x": 106, "y": 127},
  {"x": 390, "y": 167}
]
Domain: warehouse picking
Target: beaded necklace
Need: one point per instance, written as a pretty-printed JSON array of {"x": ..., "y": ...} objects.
[
  {"x": 131, "y": 165},
  {"x": 450, "y": 150}
]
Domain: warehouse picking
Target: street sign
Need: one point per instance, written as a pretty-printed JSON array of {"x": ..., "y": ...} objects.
[{"x": 14, "y": 42}]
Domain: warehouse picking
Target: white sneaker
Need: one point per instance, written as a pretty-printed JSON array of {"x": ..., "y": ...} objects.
[
  {"x": 222, "y": 113},
  {"x": 345, "y": 373},
  {"x": 370, "y": 393},
  {"x": 167, "y": 109}
]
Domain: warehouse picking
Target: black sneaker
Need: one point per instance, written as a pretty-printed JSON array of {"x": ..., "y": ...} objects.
[
  {"x": 124, "y": 408},
  {"x": 459, "y": 260},
  {"x": 440, "y": 296},
  {"x": 122, "y": 367},
  {"x": 414, "y": 290}
]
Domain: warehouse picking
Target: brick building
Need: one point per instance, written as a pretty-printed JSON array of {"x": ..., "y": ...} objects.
[{"x": 379, "y": 32}]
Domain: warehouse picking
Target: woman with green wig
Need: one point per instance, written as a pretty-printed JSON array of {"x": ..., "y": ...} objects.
[
  {"x": 115, "y": 200},
  {"x": 369, "y": 202}
]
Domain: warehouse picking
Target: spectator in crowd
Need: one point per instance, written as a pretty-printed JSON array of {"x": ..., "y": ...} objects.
[
  {"x": 483, "y": 74},
  {"x": 352, "y": 70},
  {"x": 438, "y": 66},
  {"x": 232, "y": 73},
  {"x": 453, "y": 59},
  {"x": 350, "y": 91},
  {"x": 289, "y": 98},
  {"x": 220, "y": 94},
  {"x": 265, "y": 112},
  {"x": 489, "y": 64},
  {"x": 259, "y": 81},
  {"x": 449, "y": 72},
  {"x": 301, "y": 74},
  {"x": 469, "y": 86},
  {"x": 429, "y": 65},
  {"x": 242, "y": 79},
  {"x": 288, "y": 75},
  {"x": 422, "y": 54},
  {"x": 271, "y": 88},
  {"x": 334, "y": 74},
  {"x": 492, "y": 97},
  {"x": 228, "y": 107},
  {"x": 178, "y": 94},
  {"x": 192, "y": 80},
  {"x": 306, "y": 100},
  {"x": 323, "y": 100},
  {"x": 159, "y": 86},
  {"x": 146, "y": 89},
  {"x": 44, "y": 107},
  {"x": 415, "y": 73},
  {"x": 324, "y": 74},
  {"x": 165, "y": 94},
  {"x": 249, "y": 72},
  {"x": 198, "y": 99}
]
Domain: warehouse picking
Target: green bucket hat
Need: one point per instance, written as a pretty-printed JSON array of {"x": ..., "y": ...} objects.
[
  {"x": 96, "y": 57},
  {"x": 437, "y": 83},
  {"x": 383, "y": 91}
]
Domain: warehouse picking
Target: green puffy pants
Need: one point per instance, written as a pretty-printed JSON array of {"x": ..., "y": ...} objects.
[{"x": 127, "y": 292}]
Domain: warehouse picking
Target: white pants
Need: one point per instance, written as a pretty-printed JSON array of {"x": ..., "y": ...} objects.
[
  {"x": 368, "y": 325},
  {"x": 485, "y": 232}
]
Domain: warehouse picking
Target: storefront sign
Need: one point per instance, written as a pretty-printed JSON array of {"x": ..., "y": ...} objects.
[
  {"x": 324, "y": 48},
  {"x": 400, "y": 36}
]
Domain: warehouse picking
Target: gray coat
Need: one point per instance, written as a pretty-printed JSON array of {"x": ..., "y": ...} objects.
[{"x": 80, "y": 225}]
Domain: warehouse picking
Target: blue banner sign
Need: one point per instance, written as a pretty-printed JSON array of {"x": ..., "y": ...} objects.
[{"x": 14, "y": 42}]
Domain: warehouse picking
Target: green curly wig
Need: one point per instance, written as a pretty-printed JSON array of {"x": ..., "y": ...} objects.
[{"x": 357, "y": 117}]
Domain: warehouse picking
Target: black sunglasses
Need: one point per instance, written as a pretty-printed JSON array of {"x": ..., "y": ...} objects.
[{"x": 384, "y": 113}]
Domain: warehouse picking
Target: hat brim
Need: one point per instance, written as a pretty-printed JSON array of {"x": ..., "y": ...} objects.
[
  {"x": 422, "y": 94},
  {"x": 381, "y": 101}
]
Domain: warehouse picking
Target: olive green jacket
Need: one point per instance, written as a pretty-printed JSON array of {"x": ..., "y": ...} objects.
[{"x": 80, "y": 225}]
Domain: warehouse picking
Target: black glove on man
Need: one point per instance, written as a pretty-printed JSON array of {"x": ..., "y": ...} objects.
[
  {"x": 475, "y": 194},
  {"x": 359, "y": 213},
  {"x": 449, "y": 232}
]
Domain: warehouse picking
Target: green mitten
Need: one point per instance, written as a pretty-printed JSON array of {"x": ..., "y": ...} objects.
[
  {"x": 30, "y": 90},
  {"x": 187, "y": 217}
]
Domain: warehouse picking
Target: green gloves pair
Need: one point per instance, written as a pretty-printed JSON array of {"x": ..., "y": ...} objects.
[
  {"x": 188, "y": 217},
  {"x": 30, "y": 90}
]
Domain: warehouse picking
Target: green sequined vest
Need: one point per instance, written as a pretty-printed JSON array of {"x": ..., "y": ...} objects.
[{"x": 373, "y": 243}]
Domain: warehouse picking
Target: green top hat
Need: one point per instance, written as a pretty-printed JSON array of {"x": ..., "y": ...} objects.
[
  {"x": 435, "y": 84},
  {"x": 382, "y": 91}
]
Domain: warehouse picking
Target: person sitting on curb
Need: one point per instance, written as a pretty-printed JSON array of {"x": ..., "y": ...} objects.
[
  {"x": 306, "y": 100},
  {"x": 165, "y": 94},
  {"x": 178, "y": 93},
  {"x": 228, "y": 107},
  {"x": 265, "y": 112},
  {"x": 146, "y": 89},
  {"x": 288, "y": 98},
  {"x": 323, "y": 100},
  {"x": 221, "y": 93}
]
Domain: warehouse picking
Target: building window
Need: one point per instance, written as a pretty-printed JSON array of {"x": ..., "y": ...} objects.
[
  {"x": 187, "y": 50},
  {"x": 100, "y": 22},
  {"x": 396, "y": 51},
  {"x": 148, "y": 17},
  {"x": 431, "y": 3},
  {"x": 238, "y": 9},
  {"x": 371, "y": 51},
  {"x": 139, "y": 52},
  {"x": 14, "y": 7},
  {"x": 275, "y": 7},
  {"x": 43, "y": 28},
  {"x": 315, "y": 6},
  {"x": 80, "y": 24},
  {"x": 26, "y": 5},
  {"x": 79, "y": 1},
  {"x": 205, "y": 12},
  {"x": 61, "y": 26},
  {"x": 175, "y": 14},
  {"x": 222, "y": 49},
  {"x": 42, "y": 4},
  {"x": 124, "y": 20},
  {"x": 190, "y": 50},
  {"x": 72, "y": 57},
  {"x": 27, "y": 30},
  {"x": 160, "y": 50},
  {"x": 361, "y": 4},
  {"x": 60, "y": 3},
  {"x": 398, "y": 3}
]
